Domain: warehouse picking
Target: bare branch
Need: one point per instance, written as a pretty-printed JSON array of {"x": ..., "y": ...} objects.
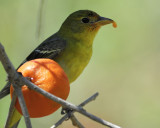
[
  {"x": 11, "y": 110},
  {"x": 93, "y": 97},
  {"x": 6, "y": 62},
  {"x": 20, "y": 80},
  {"x": 40, "y": 18},
  {"x": 23, "y": 105},
  {"x": 75, "y": 122},
  {"x": 97, "y": 119},
  {"x": 14, "y": 79}
]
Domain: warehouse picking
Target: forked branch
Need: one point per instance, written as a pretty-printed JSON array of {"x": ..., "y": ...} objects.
[{"x": 18, "y": 80}]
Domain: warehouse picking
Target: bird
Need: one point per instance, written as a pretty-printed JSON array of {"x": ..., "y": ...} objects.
[{"x": 71, "y": 46}]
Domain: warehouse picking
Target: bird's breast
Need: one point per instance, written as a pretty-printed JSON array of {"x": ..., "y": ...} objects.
[{"x": 74, "y": 59}]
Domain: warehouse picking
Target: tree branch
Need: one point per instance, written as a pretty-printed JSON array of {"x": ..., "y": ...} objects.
[
  {"x": 17, "y": 79},
  {"x": 93, "y": 97},
  {"x": 40, "y": 19},
  {"x": 23, "y": 105},
  {"x": 11, "y": 109},
  {"x": 75, "y": 122},
  {"x": 14, "y": 79},
  {"x": 67, "y": 104}
]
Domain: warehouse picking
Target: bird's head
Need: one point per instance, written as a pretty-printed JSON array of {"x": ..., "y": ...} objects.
[{"x": 84, "y": 23}]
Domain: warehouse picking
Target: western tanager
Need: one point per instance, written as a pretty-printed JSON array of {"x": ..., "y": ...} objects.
[{"x": 71, "y": 46}]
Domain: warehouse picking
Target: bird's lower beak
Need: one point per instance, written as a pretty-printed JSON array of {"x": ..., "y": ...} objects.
[{"x": 103, "y": 21}]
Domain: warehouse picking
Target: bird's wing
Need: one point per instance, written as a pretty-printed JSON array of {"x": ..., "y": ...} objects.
[{"x": 50, "y": 48}]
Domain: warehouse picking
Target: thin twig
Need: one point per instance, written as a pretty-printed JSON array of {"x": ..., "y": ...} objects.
[
  {"x": 68, "y": 105},
  {"x": 40, "y": 18},
  {"x": 60, "y": 121},
  {"x": 91, "y": 98},
  {"x": 20, "y": 80},
  {"x": 75, "y": 122},
  {"x": 23, "y": 105},
  {"x": 11, "y": 109},
  {"x": 14, "y": 79}
]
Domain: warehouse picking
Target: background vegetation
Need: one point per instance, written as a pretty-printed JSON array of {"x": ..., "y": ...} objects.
[{"x": 124, "y": 67}]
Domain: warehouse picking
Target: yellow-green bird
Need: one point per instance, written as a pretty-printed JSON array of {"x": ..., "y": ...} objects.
[{"x": 71, "y": 46}]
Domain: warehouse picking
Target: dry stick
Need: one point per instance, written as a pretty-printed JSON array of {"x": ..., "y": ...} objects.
[
  {"x": 93, "y": 97},
  {"x": 11, "y": 110},
  {"x": 75, "y": 122},
  {"x": 14, "y": 79},
  {"x": 67, "y": 104},
  {"x": 40, "y": 18},
  {"x": 23, "y": 105},
  {"x": 23, "y": 81}
]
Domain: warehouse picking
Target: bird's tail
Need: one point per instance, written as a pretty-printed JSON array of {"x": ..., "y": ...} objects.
[
  {"x": 16, "y": 115},
  {"x": 5, "y": 91},
  {"x": 15, "y": 119}
]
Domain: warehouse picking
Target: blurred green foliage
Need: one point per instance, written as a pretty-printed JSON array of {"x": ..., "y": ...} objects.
[{"x": 124, "y": 68}]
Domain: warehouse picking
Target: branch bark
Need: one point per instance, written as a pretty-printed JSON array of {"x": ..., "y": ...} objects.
[
  {"x": 11, "y": 110},
  {"x": 93, "y": 97},
  {"x": 75, "y": 121},
  {"x": 13, "y": 77},
  {"x": 17, "y": 79},
  {"x": 67, "y": 104},
  {"x": 40, "y": 18}
]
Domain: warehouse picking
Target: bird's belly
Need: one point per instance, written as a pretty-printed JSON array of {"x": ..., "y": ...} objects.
[{"x": 74, "y": 63}]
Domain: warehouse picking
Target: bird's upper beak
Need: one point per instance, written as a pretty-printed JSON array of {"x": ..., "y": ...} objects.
[{"x": 103, "y": 21}]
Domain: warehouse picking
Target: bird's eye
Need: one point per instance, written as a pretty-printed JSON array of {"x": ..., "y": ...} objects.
[{"x": 85, "y": 20}]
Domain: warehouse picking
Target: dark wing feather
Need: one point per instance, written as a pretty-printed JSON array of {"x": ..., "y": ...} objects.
[{"x": 50, "y": 48}]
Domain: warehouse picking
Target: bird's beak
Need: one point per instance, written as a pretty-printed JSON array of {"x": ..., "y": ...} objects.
[{"x": 103, "y": 21}]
